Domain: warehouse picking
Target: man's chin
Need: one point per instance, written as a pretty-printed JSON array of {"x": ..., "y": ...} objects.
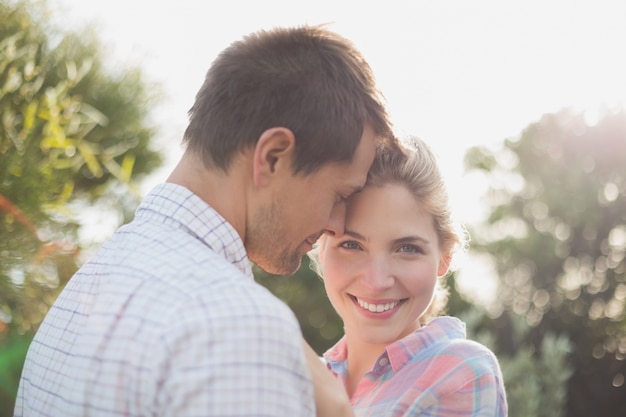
[
  {"x": 290, "y": 269},
  {"x": 281, "y": 267}
]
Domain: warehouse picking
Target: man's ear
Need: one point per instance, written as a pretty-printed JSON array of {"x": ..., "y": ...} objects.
[{"x": 273, "y": 151}]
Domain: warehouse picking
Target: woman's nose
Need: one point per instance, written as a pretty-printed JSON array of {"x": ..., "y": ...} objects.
[{"x": 377, "y": 274}]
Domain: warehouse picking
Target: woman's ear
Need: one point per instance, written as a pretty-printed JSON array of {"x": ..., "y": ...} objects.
[
  {"x": 273, "y": 152},
  {"x": 444, "y": 264},
  {"x": 321, "y": 248}
]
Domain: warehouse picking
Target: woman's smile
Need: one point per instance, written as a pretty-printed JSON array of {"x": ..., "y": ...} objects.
[{"x": 377, "y": 307}]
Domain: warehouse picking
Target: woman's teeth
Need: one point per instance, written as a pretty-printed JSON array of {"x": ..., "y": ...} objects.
[{"x": 377, "y": 308}]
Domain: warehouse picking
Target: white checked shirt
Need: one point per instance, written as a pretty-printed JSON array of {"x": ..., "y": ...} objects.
[{"x": 166, "y": 320}]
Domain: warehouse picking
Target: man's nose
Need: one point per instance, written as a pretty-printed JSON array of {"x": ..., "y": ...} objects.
[{"x": 335, "y": 226}]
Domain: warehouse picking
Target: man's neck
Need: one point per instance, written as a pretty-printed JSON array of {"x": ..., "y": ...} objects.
[{"x": 224, "y": 192}]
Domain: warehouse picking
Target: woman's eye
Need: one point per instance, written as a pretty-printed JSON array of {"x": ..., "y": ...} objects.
[
  {"x": 410, "y": 249},
  {"x": 349, "y": 244}
]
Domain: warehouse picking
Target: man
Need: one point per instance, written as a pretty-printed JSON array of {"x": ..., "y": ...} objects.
[{"x": 166, "y": 319}]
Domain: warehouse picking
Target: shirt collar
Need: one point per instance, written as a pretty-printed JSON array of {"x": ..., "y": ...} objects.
[
  {"x": 181, "y": 206},
  {"x": 440, "y": 329}
]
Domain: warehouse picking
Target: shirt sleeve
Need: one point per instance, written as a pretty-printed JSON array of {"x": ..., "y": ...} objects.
[
  {"x": 481, "y": 397},
  {"x": 468, "y": 382},
  {"x": 234, "y": 360},
  {"x": 473, "y": 388}
]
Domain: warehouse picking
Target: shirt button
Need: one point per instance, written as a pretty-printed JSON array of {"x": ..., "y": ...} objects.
[{"x": 383, "y": 362}]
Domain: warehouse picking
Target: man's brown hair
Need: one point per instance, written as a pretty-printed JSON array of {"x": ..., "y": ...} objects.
[{"x": 307, "y": 79}]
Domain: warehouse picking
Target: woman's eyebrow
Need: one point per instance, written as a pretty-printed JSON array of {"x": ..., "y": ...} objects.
[
  {"x": 354, "y": 234},
  {"x": 411, "y": 239}
]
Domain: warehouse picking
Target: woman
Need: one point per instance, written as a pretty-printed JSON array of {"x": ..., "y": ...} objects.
[{"x": 399, "y": 357}]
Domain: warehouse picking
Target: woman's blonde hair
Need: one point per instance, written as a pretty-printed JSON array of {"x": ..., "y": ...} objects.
[{"x": 415, "y": 166}]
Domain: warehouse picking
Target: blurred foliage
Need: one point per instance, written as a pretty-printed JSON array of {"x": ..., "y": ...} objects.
[
  {"x": 72, "y": 132},
  {"x": 535, "y": 380},
  {"x": 557, "y": 234}
]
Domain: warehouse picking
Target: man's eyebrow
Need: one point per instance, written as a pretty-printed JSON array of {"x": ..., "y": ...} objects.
[{"x": 356, "y": 189}]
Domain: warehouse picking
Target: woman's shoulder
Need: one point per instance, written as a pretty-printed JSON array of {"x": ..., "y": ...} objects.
[{"x": 458, "y": 347}]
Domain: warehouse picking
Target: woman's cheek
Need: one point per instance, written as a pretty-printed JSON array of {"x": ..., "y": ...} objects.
[{"x": 339, "y": 268}]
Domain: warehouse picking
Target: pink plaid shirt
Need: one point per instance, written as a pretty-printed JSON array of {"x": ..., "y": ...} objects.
[{"x": 435, "y": 371}]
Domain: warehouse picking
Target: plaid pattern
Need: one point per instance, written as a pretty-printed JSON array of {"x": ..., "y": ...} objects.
[
  {"x": 434, "y": 371},
  {"x": 166, "y": 320}
]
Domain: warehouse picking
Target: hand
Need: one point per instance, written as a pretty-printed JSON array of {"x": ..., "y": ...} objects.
[{"x": 331, "y": 399}]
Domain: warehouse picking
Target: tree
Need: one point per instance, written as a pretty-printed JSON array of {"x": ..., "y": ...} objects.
[
  {"x": 557, "y": 234},
  {"x": 71, "y": 132}
]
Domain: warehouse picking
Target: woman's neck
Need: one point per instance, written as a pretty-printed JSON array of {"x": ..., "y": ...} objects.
[{"x": 361, "y": 359}]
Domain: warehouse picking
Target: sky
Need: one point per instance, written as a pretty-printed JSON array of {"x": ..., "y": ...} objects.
[{"x": 456, "y": 73}]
